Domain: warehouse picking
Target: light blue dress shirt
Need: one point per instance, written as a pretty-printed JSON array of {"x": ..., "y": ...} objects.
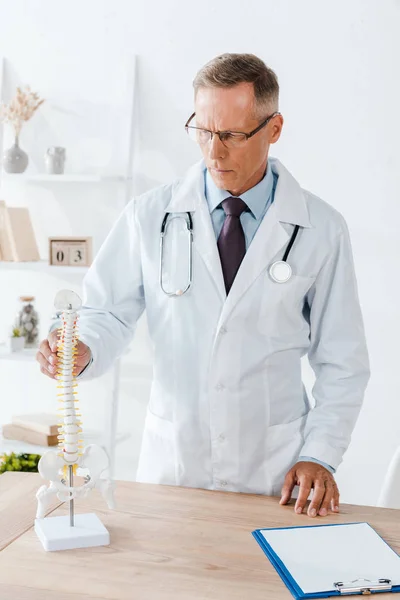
[{"x": 259, "y": 198}]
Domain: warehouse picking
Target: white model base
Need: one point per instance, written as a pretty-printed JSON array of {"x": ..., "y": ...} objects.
[{"x": 55, "y": 533}]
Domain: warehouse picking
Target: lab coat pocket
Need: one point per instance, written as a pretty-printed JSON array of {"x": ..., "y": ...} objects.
[
  {"x": 284, "y": 443},
  {"x": 157, "y": 456},
  {"x": 282, "y": 304}
]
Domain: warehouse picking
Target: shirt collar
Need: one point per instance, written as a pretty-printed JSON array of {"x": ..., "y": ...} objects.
[{"x": 256, "y": 197}]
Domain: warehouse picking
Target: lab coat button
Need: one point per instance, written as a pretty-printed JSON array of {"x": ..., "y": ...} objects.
[
  {"x": 223, "y": 330},
  {"x": 221, "y": 437},
  {"x": 224, "y": 483},
  {"x": 219, "y": 387}
]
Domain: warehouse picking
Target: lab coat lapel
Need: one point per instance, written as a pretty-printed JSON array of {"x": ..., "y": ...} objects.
[
  {"x": 289, "y": 208},
  {"x": 206, "y": 245},
  {"x": 189, "y": 196},
  {"x": 268, "y": 241}
]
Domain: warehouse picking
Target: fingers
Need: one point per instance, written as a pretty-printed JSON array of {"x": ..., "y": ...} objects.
[
  {"x": 318, "y": 496},
  {"x": 305, "y": 489},
  {"x": 45, "y": 372},
  {"x": 46, "y": 357},
  {"x": 288, "y": 486},
  {"x": 312, "y": 476},
  {"x": 325, "y": 504},
  {"x": 52, "y": 339},
  {"x": 84, "y": 354},
  {"x": 335, "y": 499},
  {"x": 45, "y": 351},
  {"x": 46, "y": 367}
]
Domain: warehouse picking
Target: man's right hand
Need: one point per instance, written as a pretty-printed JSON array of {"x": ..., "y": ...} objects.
[{"x": 47, "y": 356}]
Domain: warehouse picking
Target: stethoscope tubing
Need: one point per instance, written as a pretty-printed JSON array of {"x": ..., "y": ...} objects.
[
  {"x": 168, "y": 217},
  {"x": 163, "y": 232}
]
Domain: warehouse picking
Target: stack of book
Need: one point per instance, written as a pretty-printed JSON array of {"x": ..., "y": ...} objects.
[
  {"x": 17, "y": 238},
  {"x": 40, "y": 429}
]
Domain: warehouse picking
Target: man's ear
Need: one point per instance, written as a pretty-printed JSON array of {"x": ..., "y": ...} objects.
[{"x": 276, "y": 129}]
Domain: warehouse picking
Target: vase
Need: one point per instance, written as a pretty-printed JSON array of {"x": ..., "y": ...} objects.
[
  {"x": 15, "y": 160},
  {"x": 17, "y": 344},
  {"x": 54, "y": 160},
  {"x": 28, "y": 322}
]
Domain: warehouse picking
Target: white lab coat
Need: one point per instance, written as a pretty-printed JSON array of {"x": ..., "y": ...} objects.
[{"x": 228, "y": 409}]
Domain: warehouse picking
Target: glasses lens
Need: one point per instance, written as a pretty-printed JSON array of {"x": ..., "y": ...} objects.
[
  {"x": 233, "y": 140},
  {"x": 201, "y": 136}
]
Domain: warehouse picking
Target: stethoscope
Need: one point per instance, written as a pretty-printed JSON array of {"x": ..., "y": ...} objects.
[
  {"x": 187, "y": 217},
  {"x": 280, "y": 271}
]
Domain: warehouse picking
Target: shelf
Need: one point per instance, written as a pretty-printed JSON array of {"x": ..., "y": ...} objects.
[
  {"x": 90, "y": 437},
  {"x": 43, "y": 266},
  {"x": 28, "y": 354},
  {"x": 63, "y": 178}
]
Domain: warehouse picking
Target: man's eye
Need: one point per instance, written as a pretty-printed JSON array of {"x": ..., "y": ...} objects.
[
  {"x": 226, "y": 136},
  {"x": 233, "y": 137}
]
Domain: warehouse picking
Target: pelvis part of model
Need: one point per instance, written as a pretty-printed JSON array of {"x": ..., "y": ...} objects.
[{"x": 71, "y": 458}]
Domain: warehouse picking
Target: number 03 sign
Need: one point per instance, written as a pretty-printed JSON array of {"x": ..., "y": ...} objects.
[{"x": 70, "y": 251}]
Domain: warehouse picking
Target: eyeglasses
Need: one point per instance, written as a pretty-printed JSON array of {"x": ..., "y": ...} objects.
[{"x": 230, "y": 139}]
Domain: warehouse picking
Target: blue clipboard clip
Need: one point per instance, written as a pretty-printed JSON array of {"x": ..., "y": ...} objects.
[{"x": 364, "y": 586}]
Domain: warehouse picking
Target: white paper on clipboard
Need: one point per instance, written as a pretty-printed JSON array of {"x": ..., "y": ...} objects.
[{"x": 318, "y": 557}]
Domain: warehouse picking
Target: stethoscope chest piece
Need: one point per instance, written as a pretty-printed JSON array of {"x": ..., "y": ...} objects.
[{"x": 280, "y": 271}]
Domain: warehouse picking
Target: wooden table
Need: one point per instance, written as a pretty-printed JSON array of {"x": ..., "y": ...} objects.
[{"x": 166, "y": 543}]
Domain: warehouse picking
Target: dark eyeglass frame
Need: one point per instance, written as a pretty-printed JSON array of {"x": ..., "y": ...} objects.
[{"x": 218, "y": 133}]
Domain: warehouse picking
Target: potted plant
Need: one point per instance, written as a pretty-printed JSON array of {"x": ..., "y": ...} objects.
[
  {"x": 17, "y": 340},
  {"x": 21, "y": 108},
  {"x": 19, "y": 462}
]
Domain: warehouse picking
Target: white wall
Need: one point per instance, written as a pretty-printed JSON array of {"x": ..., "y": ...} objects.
[{"x": 337, "y": 64}]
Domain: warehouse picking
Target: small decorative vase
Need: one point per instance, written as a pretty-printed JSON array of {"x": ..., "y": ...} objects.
[
  {"x": 28, "y": 322},
  {"x": 15, "y": 160},
  {"x": 17, "y": 344},
  {"x": 54, "y": 160}
]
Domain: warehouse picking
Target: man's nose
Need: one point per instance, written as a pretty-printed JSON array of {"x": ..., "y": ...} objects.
[{"x": 216, "y": 149}]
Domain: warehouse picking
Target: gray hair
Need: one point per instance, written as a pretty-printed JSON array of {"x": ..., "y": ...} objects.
[{"x": 228, "y": 70}]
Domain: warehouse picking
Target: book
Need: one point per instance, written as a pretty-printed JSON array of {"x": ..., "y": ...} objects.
[
  {"x": 21, "y": 434},
  {"x": 6, "y": 249},
  {"x": 41, "y": 422},
  {"x": 23, "y": 242}
]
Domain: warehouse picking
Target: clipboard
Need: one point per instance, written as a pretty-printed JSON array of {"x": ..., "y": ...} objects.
[{"x": 320, "y": 561}]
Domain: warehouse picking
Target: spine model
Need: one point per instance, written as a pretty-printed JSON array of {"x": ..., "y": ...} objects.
[
  {"x": 71, "y": 458},
  {"x": 70, "y": 430}
]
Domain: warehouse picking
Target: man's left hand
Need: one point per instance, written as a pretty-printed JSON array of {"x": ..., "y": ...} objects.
[{"x": 309, "y": 475}]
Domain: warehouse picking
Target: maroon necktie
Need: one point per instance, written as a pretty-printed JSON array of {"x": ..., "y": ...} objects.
[{"x": 231, "y": 242}]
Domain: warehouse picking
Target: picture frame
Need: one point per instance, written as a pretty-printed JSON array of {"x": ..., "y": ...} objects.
[{"x": 70, "y": 251}]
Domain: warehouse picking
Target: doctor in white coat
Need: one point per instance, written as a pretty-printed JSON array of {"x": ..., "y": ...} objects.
[{"x": 228, "y": 409}]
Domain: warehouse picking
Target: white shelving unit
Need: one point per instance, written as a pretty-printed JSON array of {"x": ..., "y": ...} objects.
[
  {"x": 42, "y": 178},
  {"x": 24, "y": 355},
  {"x": 109, "y": 438},
  {"x": 124, "y": 178},
  {"x": 43, "y": 267},
  {"x": 89, "y": 437}
]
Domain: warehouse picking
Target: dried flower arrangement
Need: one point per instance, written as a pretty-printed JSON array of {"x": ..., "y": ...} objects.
[{"x": 21, "y": 108}]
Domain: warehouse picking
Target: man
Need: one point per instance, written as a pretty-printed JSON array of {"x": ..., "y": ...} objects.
[{"x": 228, "y": 409}]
